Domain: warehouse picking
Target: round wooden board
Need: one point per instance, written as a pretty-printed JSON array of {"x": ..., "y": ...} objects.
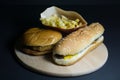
[{"x": 88, "y": 64}]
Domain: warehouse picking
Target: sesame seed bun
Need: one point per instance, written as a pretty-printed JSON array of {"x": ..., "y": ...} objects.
[{"x": 78, "y": 41}]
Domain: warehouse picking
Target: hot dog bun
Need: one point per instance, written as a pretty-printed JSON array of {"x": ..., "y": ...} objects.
[{"x": 71, "y": 48}]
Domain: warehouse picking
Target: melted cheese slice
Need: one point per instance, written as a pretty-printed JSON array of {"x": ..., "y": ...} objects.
[{"x": 69, "y": 56}]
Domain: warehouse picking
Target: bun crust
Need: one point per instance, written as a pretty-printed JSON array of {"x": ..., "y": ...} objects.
[
  {"x": 36, "y": 41},
  {"x": 71, "y": 61},
  {"x": 78, "y": 40},
  {"x": 41, "y": 37}
]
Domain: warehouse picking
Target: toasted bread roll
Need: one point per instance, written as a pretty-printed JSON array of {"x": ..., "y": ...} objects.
[
  {"x": 77, "y": 44},
  {"x": 38, "y": 41}
]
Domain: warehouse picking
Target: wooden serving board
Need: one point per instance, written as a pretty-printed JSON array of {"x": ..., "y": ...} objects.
[{"x": 44, "y": 64}]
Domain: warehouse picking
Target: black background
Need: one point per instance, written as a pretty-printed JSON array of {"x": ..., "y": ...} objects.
[
  {"x": 60, "y": 2},
  {"x": 18, "y": 16}
]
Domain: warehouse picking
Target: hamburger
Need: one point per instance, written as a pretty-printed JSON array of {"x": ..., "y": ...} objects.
[
  {"x": 36, "y": 41},
  {"x": 77, "y": 44}
]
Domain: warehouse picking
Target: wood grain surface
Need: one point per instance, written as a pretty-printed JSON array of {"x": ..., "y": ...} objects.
[{"x": 44, "y": 64}]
